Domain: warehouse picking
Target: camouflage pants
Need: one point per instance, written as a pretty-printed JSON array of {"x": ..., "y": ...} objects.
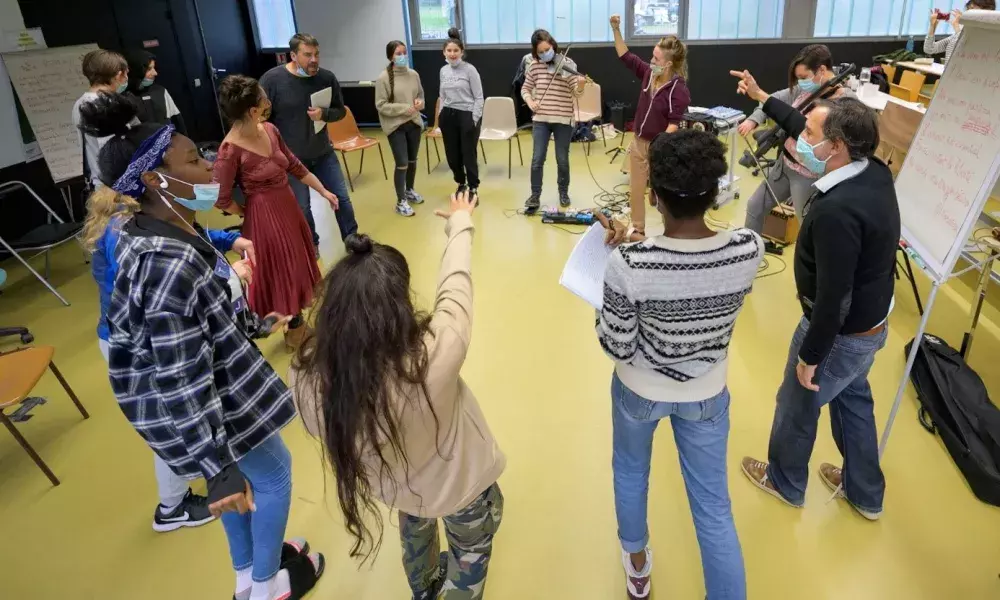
[{"x": 470, "y": 534}]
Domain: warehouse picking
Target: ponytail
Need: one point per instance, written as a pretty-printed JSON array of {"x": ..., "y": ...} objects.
[
  {"x": 392, "y": 82},
  {"x": 103, "y": 205}
]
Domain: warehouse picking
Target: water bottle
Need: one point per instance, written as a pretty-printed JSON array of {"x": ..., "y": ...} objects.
[
  {"x": 909, "y": 44},
  {"x": 866, "y": 75}
]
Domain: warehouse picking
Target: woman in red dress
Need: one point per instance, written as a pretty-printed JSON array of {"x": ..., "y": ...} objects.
[{"x": 255, "y": 158}]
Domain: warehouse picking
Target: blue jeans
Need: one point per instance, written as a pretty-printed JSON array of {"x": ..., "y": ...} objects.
[
  {"x": 256, "y": 537},
  {"x": 540, "y": 133},
  {"x": 842, "y": 378},
  {"x": 701, "y": 432},
  {"x": 327, "y": 170}
]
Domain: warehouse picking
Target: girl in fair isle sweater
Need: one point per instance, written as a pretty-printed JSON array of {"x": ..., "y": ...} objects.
[
  {"x": 552, "y": 97},
  {"x": 670, "y": 302}
]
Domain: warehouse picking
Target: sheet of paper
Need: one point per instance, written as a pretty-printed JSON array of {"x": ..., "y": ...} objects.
[
  {"x": 584, "y": 271},
  {"x": 321, "y": 99}
]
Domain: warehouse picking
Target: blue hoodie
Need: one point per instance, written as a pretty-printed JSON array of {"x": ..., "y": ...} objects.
[{"x": 104, "y": 265}]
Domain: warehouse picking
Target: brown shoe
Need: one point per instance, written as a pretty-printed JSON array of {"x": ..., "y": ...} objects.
[
  {"x": 294, "y": 338},
  {"x": 833, "y": 477},
  {"x": 756, "y": 472}
]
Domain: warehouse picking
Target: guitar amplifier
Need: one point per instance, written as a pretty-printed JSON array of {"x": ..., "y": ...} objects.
[{"x": 780, "y": 225}]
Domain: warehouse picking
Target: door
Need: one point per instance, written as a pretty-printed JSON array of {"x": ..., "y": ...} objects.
[{"x": 227, "y": 38}]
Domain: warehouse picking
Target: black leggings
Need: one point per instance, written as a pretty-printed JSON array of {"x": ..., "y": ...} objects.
[
  {"x": 405, "y": 146},
  {"x": 460, "y": 135}
]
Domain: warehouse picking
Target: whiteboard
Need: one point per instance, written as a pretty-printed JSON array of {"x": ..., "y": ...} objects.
[
  {"x": 11, "y": 146},
  {"x": 954, "y": 159},
  {"x": 48, "y": 83},
  {"x": 352, "y": 34}
]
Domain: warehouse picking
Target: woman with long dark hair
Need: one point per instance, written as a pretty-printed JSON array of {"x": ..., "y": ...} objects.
[
  {"x": 789, "y": 179},
  {"x": 380, "y": 385},
  {"x": 183, "y": 371},
  {"x": 551, "y": 96},
  {"x": 399, "y": 98},
  {"x": 461, "y": 114},
  {"x": 255, "y": 157}
]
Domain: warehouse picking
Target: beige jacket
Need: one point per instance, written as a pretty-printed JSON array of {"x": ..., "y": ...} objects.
[
  {"x": 448, "y": 473},
  {"x": 407, "y": 88}
]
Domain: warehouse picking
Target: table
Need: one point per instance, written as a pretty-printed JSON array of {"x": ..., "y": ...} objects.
[
  {"x": 878, "y": 99},
  {"x": 936, "y": 69}
]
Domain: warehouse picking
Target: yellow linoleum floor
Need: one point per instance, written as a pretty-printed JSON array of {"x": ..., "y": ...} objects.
[{"x": 543, "y": 383}]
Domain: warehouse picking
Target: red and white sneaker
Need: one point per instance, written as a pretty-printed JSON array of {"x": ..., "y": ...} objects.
[{"x": 637, "y": 582}]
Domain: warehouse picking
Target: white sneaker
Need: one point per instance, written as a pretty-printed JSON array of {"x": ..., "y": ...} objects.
[
  {"x": 638, "y": 582},
  {"x": 413, "y": 197},
  {"x": 403, "y": 208}
]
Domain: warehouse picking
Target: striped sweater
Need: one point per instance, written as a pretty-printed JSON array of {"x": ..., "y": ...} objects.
[
  {"x": 669, "y": 309},
  {"x": 557, "y": 93}
]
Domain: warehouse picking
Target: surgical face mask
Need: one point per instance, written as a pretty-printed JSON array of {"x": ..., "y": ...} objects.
[
  {"x": 122, "y": 87},
  {"x": 400, "y": 60},
  {"x": 657, "y": 70},
  {"x": 146, "y": 83},
  {"x": 205, "y": 194},
  {"x": 302, "y": 72},
  {"x": 808, "y": 85},
  {"x": 454, "y": 62},
  {"x": 547, "y": 56},
  {"x": 807, "y": 156}
]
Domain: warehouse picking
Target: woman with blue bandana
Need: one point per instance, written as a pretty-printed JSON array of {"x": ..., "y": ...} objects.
[
  {"x": 184, "y": 372},
  {"x": 789, "y": 178}
]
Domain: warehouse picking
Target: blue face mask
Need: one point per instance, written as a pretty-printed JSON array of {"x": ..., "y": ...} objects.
[
  {"x": 146, "y": 83},
  {"x": 454, "y": 62},
  {"x": 547, "y": 56},
  {"x": 400, "y": 61},
  {"x": 122, "y": 87},
  {"x": 302, "y": 72},
  {"x": 808, "y": 85},
  {"x": 807, "y": 156},
  {"x": 205, "y": 194}
]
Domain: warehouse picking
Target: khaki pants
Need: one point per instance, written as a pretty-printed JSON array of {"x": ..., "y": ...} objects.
[{"x": 638, "y": 181}]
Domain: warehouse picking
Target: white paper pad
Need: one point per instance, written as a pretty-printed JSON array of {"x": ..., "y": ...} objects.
[
  {"x": 321, "y": 99},
  {"x": 584, "y": 271}
]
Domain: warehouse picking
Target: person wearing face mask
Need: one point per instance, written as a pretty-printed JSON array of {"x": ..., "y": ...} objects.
[
  {"x": 461, "y": 119},
  {"x": 289, "y": 88},
  {"x": 399, "y": 98},
  {"x": 844, "y": 263},
  {"x": 153, "y": 102},
  {"x": 254, "y": 157},
  {"x": 184, "y": 372},
  {"x": 106, "y": 71},
  {"x": 664, "y": 100},
  {"x": 947, "y": 45},
  {"x": 551, "y": 96},
  {"x": 789, "y": 178}
]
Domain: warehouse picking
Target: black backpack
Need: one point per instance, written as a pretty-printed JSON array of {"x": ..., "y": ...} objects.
[{"x": 955, "y": 404}]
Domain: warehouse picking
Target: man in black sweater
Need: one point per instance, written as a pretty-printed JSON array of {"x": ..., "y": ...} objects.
[
  {"x": 289, "y": 88},
  {"x": 844, "y": 277}
]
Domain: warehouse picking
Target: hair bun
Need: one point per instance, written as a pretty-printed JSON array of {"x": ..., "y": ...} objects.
[
  {"x": 454, "y": 33},
  {"x": 358, "y": 243}
]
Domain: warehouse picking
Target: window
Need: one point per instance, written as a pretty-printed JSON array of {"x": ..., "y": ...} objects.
[
  {"x": 274, "y": 22},
  {"x": 656, "y": 18},
  {"x": 513, "y": 21},
  {"x": 434, "y": 18},
  {"x": 872, "y": 18},
  {"x": 734, "y": 19}
]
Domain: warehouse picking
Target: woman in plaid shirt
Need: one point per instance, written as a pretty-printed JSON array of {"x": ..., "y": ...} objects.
[{"x": 183, "y": 370}]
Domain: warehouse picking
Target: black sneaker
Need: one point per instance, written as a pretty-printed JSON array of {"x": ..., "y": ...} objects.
[
  {"x": 461, "y": 188},
  {"x": 191, "y": 512},
  {"x": 772, "y": 248},
  {"x": 564, "y": 200},
  {"x": 532, "y": 204},
  {"x": 474, "y": 194}
]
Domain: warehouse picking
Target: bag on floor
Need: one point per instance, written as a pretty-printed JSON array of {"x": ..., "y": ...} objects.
[{"x": 954, "y": 403}]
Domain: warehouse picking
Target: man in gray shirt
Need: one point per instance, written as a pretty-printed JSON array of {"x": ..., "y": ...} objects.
[
  {"x": 289, "y": 88},
  {"x": 107, "y": 72}
]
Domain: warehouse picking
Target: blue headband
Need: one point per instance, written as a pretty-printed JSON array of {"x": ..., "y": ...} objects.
[{"x": 148, "y": 157}]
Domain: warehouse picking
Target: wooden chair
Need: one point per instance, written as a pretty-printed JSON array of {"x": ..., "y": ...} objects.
[
  {"x": 890, "y": 72},
  {"x": 897, "y": 125},
  {"x": 434, "y": 134},
  {"x": 589, "y": 108},
  {"x": 20, "y": 371},
  {"x": 500, "y": 123},
  {"x": 908, "y": 87},
  {"x": 926, "y": 94},
  {"x": 346, "y": 137}
]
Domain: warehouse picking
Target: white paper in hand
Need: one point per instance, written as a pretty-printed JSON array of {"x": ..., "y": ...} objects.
[
  {"x": 584, "y": 271},
  {"x": 321, "y": 99}
]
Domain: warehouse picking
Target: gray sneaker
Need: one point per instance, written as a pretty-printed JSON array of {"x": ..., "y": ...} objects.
[
  {"x": 413, "y": 197},
  {"x": 403, "y": 208}
]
